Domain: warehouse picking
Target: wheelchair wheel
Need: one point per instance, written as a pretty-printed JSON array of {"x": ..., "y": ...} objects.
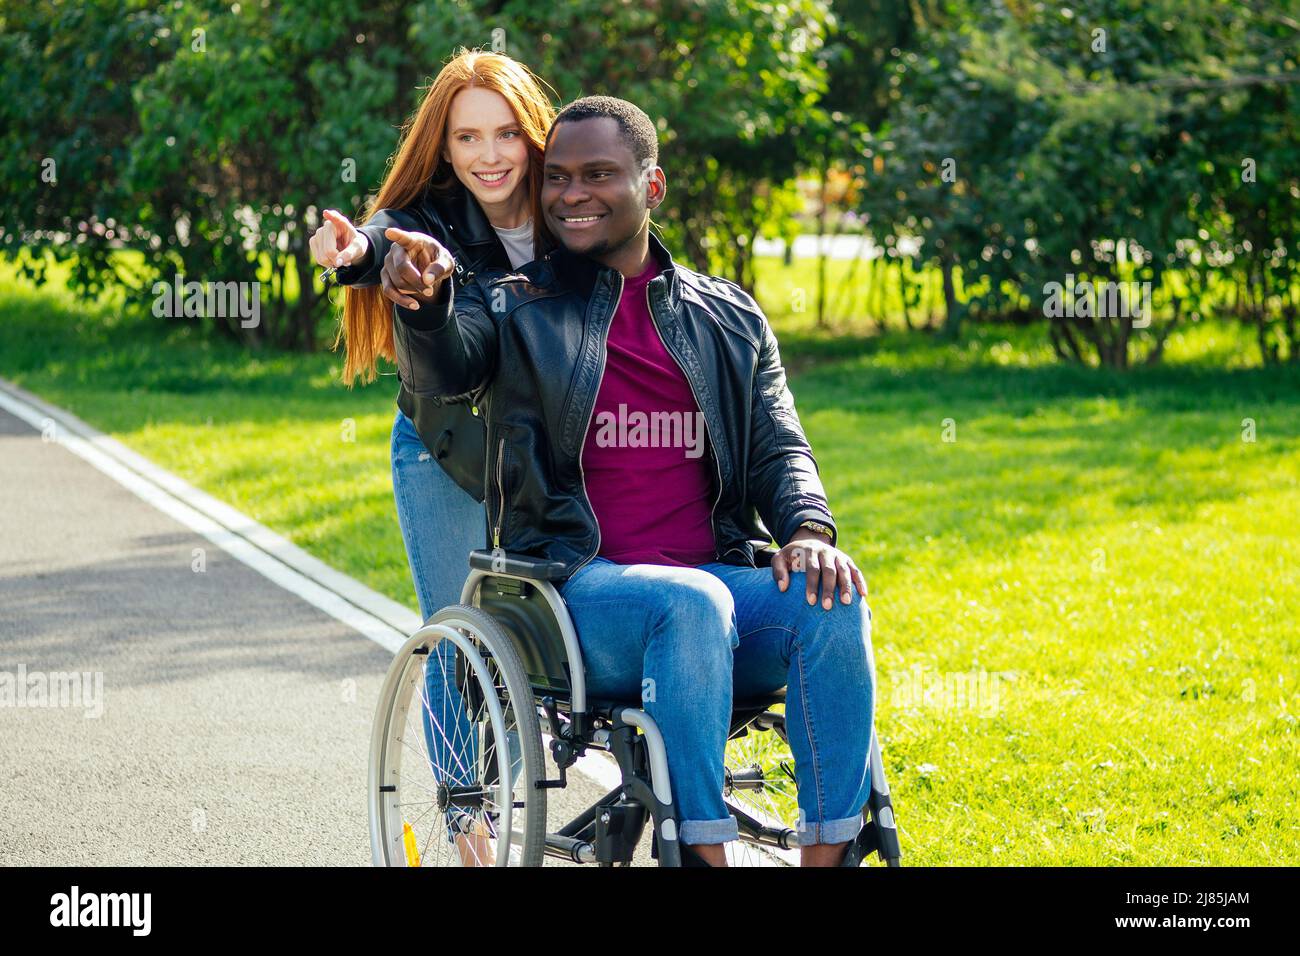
[
  {"x": 759, "y": 790},
  {"x": 456, "y": 750}
]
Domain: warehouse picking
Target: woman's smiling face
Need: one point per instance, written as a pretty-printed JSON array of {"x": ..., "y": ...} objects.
[{"x": 487, "y": 149}]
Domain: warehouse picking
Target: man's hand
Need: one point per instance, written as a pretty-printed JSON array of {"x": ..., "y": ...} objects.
[
  {"x": 820, "y": 561},
  {"x": 414, "y": 268},
  {"x": 337, "y": 242}
]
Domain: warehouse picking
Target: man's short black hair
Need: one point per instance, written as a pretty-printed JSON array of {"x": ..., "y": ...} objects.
[{"x": 638, "y": 129}]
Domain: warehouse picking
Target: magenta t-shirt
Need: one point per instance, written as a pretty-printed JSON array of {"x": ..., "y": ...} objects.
[{"x": 645, "y": 459}]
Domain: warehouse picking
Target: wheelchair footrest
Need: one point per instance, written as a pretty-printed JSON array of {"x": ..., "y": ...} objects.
[{"x": 867, "y": 843}]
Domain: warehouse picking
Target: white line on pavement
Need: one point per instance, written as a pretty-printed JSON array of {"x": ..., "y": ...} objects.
[{"x": 343, "y": 598}]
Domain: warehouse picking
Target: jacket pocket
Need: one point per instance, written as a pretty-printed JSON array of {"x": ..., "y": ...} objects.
[{"x": 500, "y": 480}]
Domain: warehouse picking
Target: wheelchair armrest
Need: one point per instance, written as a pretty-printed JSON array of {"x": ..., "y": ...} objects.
[{"x": 522, "y": 565}]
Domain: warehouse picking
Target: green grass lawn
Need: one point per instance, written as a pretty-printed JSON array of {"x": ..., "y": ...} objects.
[{"x": 1086, "y": 604}]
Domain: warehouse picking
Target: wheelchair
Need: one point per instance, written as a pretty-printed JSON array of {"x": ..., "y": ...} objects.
[{"x": 518, "y": 670}]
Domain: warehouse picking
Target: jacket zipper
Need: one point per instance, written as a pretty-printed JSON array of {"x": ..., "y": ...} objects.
[
  {"x": 712, "y": 447},
  {"x": 582, "y": 471},
  {"x": 501, "y": 492}
]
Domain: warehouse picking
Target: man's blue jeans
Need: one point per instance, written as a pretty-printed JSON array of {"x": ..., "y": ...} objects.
[{"x": 686, "y": 640}]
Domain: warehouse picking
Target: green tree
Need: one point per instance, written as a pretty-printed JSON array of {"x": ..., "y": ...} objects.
[
  {"x": 205, "y": 136},
  {"x": 733, "y": 85},
  {"x": 1090, "y": 144}
]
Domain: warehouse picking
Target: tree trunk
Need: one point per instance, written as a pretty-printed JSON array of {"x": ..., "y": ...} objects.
[
  {"x": 1158, "y": 350},
  {"x": 305, "y": 308},
  {"x": 821, "y": 249},
  {"x": 902, "y": 294},
  {"x": 952, "y": 319}
]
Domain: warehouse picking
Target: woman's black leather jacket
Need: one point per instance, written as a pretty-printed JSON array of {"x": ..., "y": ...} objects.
[{"x": 448, "y": 426}]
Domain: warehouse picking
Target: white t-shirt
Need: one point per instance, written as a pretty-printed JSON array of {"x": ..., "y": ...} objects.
[{"x": 518, "y": 242}]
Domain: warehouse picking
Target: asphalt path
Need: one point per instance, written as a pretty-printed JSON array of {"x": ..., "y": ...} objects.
[{"x": 219, "y": 719}]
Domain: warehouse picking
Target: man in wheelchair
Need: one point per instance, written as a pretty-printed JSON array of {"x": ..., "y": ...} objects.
[{"x": 639, "y": 426}]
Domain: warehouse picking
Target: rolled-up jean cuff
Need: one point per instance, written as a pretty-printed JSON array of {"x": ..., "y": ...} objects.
[
  {"x": 709, "y": 831},
  {"x": 832, "y": 831}
]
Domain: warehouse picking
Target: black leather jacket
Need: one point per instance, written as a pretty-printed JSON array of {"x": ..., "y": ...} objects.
[
  {"x": 448, "y": 426},
  {"x": 530, "y": 346}
]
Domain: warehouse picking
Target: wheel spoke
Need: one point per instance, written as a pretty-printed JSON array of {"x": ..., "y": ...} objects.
[
  {"x": 765, "y": 791},
  {"x": 452, "y": 767}
]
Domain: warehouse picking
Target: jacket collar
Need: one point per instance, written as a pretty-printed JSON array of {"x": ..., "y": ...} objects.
[
  {"x": 462, "y": 215},
  {"x": 668, "y": 271}
]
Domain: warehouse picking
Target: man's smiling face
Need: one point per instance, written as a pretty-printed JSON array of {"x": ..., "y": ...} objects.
[{"x": 595, "y": 199}]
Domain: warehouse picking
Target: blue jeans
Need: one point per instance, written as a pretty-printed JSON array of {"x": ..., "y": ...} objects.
[
  {"x": 685, "y": 640},
  {"x": 441, "y": 523}
]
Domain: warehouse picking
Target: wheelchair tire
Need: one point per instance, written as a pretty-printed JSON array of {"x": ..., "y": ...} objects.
[
  {"x": 759, "y": 791},
  {"x": 443, "y": 791}
]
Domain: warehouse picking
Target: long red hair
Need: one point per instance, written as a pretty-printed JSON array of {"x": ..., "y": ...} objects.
[{"x": 366, "y": 326}]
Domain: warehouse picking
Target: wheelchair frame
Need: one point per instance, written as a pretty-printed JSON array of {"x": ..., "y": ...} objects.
[{"x": 608, "y": 831}]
